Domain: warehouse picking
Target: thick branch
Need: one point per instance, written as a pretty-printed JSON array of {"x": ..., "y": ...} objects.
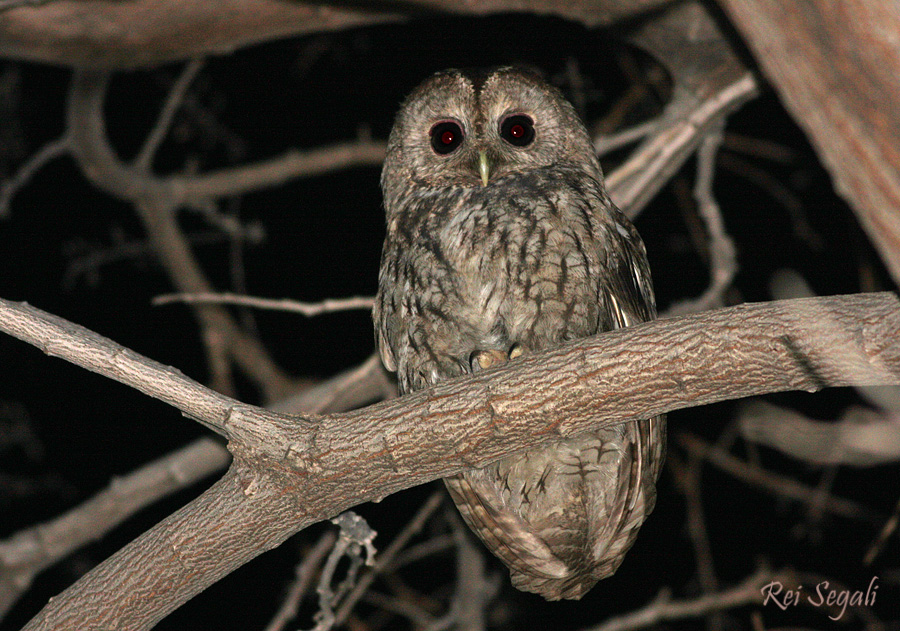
[
  {"x": 836, "y": 66},
  {"x": 290, "y": 472},
  {"x": 28, "y": 552},
  {"x": 652, "y": 368},
  {"x": 208, "y": 537},
  {"x": 142, "y": 33}
]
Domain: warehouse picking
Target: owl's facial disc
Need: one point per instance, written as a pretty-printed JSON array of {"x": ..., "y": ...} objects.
[{"x": 465, "y": 130}]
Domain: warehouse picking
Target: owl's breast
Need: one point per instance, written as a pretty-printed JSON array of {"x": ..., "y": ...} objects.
[{"x": 527, "y": 267}]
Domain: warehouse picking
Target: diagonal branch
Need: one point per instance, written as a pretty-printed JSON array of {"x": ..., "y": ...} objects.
[{"x": 292, "y": 471}]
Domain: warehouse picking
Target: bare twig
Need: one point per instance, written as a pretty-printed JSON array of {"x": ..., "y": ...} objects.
[
  {"x": 45, "y": 154},
  {"x": 889, "y": 528},
  {"x": 772, "y": 482},
  {"x": 474, "y": 589},
  {"x": 156, "y": 208},
  {"x": 144, "y": 159},
  {"x": 435, "y": 545},
  {"x": 604, "y": 144},
  {"x": 308, "y": 309},
  {"x": 387, "y": 557},
  {"x": 103, "y": 167},
  {"x": 687, "y": 477},
  {"x": 305, "y": 572},
  {"x": 862, "y": 437},
  {"x": 722, "y": 253},
  {"x": 636, "y": 182},
  {"x": 356, "y": 537},
  {"x": 789, "y": 199},
  {"x": 366, "y": 383},
  {"x": 399, "y": 606},
  {"x": 88, "y": 259},
  {"x": 662, "y": 609}
]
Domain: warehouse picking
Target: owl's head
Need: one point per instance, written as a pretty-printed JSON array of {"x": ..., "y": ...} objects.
[{"x": 460, "y": 129}]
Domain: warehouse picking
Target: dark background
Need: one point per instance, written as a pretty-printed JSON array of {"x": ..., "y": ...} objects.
[{"x": 64, "y": 432}]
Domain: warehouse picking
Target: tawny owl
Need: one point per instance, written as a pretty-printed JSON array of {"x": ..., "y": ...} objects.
[{"x": 502, "y": 240}]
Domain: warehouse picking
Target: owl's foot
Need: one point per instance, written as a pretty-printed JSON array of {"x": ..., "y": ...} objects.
[{"x": 482, "y": 360}]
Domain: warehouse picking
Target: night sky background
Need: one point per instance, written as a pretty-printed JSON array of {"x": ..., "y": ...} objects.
[{"x": 74, "y": 251}]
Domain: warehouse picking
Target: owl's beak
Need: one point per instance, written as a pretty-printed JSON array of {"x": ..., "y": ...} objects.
[{"x": 484, "y": 167}]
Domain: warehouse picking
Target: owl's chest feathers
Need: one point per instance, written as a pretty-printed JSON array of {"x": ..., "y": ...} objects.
[{"x": 513, "y": 264}]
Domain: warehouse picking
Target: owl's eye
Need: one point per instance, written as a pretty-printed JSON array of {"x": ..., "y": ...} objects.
[
  {"x": 446, "y": 136},
  {"x": 517, "y": 130}
]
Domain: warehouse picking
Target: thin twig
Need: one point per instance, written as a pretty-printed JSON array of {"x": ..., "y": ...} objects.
[
  {"x": 661, "y": 609},
  {"x": 305, "y": 572},
  {"x": 474, "y": 590},
  {"x": 308, "y": 309},
  {"x": 356, "y": 536},
  {"x": 386, "y": 558},
  {"x": 45, "y": 154},
  {"x": 634, "y": 183},
  {"x": 687, "y": 477},
  {"x": 156, "y": 206},
  {"x": 890, "y": 527},
  {"x": 861, "y": 437},
  {"x": 604, "y": 144},
  {"x": 772, "y": 482},
  {"x": 722, "y": 252},
  {"x": 433, "y": 546},
  {"x": 144, "y": 159},
  {"x": 399, "y": 606}
]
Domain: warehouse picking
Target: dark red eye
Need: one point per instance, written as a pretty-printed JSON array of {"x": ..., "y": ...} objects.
[
  {"x": 517, "y": 130},
  {"x": 446, "y": 136}
]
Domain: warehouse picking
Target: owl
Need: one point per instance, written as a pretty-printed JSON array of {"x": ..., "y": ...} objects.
[{"x": 501, "y": 241}]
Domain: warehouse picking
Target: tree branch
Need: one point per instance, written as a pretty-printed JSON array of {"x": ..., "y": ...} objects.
[
  {"x": 710, "y": 84},
  {"x": 28, "y": 552},
  {"x": 292, "y": 471},
  {"x": 662, "y": 609},
  {"x": 836, "y": 66},
  {"x": 143, "y": 33}
]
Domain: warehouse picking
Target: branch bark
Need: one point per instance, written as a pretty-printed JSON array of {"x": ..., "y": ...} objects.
[
  {"x": 289, "y": 472},
  {"x": 836, "y": 66},
  {"x": 144, "y": 33}
]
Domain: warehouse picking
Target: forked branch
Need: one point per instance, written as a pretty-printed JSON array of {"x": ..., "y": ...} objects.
[{"x": 292, "y": 471}]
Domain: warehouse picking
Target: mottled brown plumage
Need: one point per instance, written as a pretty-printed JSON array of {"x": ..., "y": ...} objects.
[{"x": 502, "y": 240}]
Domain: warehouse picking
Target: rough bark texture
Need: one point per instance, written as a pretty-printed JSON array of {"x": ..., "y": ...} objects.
[
  {"x": 142, "y": 33},
  {"x": 836, "y": 66},
  {"x": 290, "y": 472}
]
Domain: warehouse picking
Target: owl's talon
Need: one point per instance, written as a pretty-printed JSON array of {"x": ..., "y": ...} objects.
[
  {"x": 516, "y": 351},
  {"x": 482, "y": 360}
]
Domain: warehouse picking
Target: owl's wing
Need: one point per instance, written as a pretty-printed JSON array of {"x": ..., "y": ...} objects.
[
  {"x": 628, "y": 294},
  {"x": 385, "y": 318},
  {"x": 628, "y": 299},
  {"x": 384, "y": 348}
]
